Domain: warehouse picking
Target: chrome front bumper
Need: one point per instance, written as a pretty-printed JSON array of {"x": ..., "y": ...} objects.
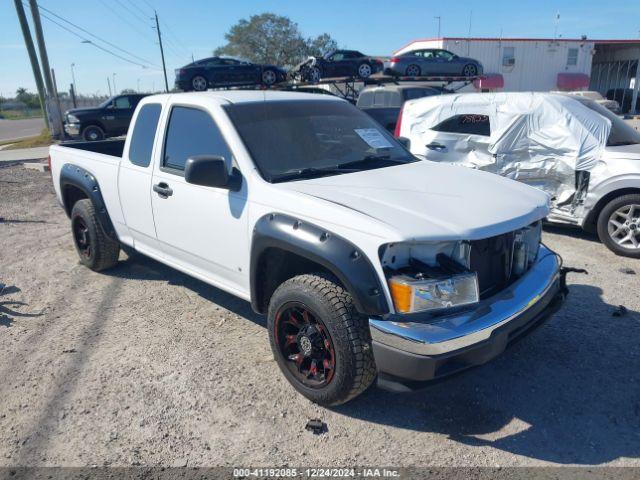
[
  {"x": 487, "y": 329},
  {"x": 72, "y": 129}
]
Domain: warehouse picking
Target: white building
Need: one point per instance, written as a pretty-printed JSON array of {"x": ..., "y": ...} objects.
[
  {"x": 544, "y": 64},
  {"x": 525, "y": 64}
]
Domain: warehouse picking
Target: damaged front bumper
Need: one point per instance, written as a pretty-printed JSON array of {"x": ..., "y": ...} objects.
[{"x": 411, "y": 349}]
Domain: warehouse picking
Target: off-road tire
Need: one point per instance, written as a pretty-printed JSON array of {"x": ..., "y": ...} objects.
[
  {"x": 355, "y": 367},
  {"x": 603, "y": 221},
  {"x": 104, "y": 251}
]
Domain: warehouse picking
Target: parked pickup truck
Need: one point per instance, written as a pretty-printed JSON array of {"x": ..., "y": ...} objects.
[
  {"x": 109, "y": 119},
  {"x": 367, "y": 261}
]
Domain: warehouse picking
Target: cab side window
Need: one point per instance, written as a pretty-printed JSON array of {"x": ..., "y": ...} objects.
[
  {"x": 144, "y": 133},
  {"x": 122, "y": 103},
  {"x": 468, "y": 124},
  {"x": 192, "y": 132}
]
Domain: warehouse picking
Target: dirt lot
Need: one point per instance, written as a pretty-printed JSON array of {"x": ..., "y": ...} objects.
[{"x": 144, "y": 365}]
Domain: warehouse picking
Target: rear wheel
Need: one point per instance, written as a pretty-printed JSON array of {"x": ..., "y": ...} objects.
[
  {"x": 619, "y": 225},
  {"x": 199, "y": 83},
  {"x": 364, "y": 70},
  {"x": 92, "y": 133},
  {"x": 96, "y": 250},
  {"x": 413, "y": 71},
  {"x": 313, "y": 74},
  {"x": 269, "y": 77},
  {"x": 321, "y": 343},
  {"x": 469, "y": 70}
]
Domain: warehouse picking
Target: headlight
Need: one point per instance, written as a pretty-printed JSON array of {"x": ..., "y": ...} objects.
[
  {"x": 418, "y": 295},
  {"x": 72, "y": 119}
]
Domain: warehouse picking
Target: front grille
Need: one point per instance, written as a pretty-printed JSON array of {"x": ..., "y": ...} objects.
[
  {"x": 500, "y": 260},
  {"x": 491, "y": 259}
]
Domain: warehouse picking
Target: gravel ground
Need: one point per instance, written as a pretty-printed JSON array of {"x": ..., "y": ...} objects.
[{"x": 143, "y": 365}]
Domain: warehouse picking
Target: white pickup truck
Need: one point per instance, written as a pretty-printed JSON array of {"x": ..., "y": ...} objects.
[{"x": 369, "y": 262}]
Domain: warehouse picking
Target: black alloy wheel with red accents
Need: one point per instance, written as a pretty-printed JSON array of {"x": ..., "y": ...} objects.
[
  {"x": 305, "y": 343},
  {"x": 320, "y": 342}
]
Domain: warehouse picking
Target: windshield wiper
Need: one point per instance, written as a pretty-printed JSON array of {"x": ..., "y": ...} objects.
[
  {"x": 309, "y": 172},
  {"x": 369, "y": 161}
]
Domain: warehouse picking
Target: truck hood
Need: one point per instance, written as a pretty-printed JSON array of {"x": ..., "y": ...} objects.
[
  {"x": 431, "y": 201},
  {"x": 82, "y": 111}
]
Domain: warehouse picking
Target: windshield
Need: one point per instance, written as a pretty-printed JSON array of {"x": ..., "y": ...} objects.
[
  {"x": 296, "y": 139},
  {"x": 621, "y": 132},
  {"x": 106, "y": 103}
]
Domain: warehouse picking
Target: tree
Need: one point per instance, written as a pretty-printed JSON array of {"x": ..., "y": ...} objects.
[
  {"x": 321, "y": 45},
  {"x": 274, "y": 39},
  {"x": 29, "y": 99}
]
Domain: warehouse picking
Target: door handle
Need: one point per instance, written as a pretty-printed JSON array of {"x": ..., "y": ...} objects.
[
  {"x": 163, "y": 190},
  {"x": 436, "y": 146}
]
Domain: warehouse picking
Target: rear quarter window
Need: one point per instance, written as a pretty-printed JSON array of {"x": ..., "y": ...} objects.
[
  {"x": 468, "y": 124},
  {"x": 144, "y": 133}
]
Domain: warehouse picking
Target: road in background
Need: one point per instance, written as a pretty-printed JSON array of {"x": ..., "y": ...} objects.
[{"x": 17, "y": 129}]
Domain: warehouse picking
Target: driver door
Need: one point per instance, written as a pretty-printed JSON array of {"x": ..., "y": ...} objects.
[{"x": 202, "y": 230}]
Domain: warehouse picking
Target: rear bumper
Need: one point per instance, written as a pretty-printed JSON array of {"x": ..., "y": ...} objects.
[{"x": 409, "y": 350}]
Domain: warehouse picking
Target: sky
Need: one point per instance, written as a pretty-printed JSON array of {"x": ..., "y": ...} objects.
[{"x": 197, "y": 27}]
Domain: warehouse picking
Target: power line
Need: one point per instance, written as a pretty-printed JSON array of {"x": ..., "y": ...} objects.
[
  {"x": 134, "y": 4},
  {"x": 91, "y": 43},
  {"x": 124, "y": 19},
  {"x": 133, "y": 12},
  {"x": 133, "y": 55}
]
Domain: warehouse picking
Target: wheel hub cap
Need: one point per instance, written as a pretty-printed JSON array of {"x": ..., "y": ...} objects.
[
  {"x": 304, "y": 343},
  {"x": 624, "y": 226}
]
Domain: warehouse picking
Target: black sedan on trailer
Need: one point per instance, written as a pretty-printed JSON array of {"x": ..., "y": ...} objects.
[
  {"x": 225, "y": 72},
  {"x": 339, "y": 63}
]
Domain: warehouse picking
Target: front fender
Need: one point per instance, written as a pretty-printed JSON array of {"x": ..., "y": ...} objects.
[{"x": 346, "y": 261}]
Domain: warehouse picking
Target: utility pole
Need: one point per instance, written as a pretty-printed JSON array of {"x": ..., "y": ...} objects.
[
  {"x": 109, "y": 85},
  {"x": 115, "y": 90},
  {"x": 44, "y": 59},
  {"x": 164, "y": 68},
  {"x": 28, "y": 41},
  {"x": 59, "y": 120},
  {"x": 73, "y": 78},
  {"x": 54, "y": 111},
  {"x": 439, "y": 20}
]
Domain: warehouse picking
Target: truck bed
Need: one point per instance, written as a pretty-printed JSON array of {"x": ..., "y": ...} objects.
[
  {"x": 99, "y": 159},
  {"x": 112, "y": 148}
]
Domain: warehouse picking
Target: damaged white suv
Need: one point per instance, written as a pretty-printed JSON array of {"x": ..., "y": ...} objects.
[{"x": 584, "y": 156}]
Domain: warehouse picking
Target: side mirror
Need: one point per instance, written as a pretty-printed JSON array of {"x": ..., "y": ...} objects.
[
  {"x": 405, "y": 142},
  {"x": 211, "y": 171}
]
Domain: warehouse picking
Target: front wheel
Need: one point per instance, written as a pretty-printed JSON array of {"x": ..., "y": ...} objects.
[
  {"x": 320, "y": 342},
  {"x": 92, "y": 133},
  {"x": 364, "y": 70},
  {"x": 619, "y": 225}
]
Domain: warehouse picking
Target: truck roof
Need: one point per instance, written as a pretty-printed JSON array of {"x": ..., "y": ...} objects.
[{"x": 247, "y": 96}]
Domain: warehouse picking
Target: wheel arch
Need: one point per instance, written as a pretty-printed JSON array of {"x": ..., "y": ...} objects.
[
  {"x": 591, "y": 220},
  {"x": 283, "y": 247},
  {"x": 92, "y": 123},
  {"x": 76, "y": 184}
]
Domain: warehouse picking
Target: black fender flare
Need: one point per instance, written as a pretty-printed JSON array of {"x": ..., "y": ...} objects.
[
  {"x": 337, "y": 254},
  {"x": 72, "y": 175}
]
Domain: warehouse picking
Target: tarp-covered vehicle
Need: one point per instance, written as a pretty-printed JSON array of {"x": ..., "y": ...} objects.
[{"x": 585, "y": 157}]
